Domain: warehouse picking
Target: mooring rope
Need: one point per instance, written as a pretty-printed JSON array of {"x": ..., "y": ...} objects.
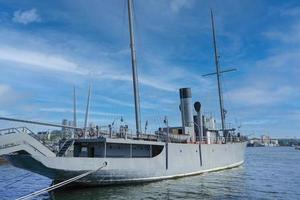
[
  {"x": 18, "y": 180},
  {"x": 63, "y": 183}
]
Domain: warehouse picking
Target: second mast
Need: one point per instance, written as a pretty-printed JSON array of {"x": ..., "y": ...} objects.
[{"x": 134, "y": 71}]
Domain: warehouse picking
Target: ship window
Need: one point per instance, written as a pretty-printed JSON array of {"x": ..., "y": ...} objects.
[
  {"x": 83, "y": 149},
  {"x": 91, "y": 152},
  {"x": 128, "y": 150},
  {"x": 118, "y": 150},
  {"x": 156, "y": 150},
  {"x": 141, "y": 151}
]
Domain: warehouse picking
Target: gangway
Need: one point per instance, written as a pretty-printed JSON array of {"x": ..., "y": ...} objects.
[{"x": 22, "y": 139}]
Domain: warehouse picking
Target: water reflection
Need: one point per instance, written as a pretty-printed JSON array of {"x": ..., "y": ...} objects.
[{"x": 209, "y": 186}]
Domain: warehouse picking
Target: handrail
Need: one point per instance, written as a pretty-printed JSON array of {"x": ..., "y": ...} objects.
[
  {"x": 64, "y": 145},
  {"x": 22, "y": 130},
  {"x": 15, "y": 129}
]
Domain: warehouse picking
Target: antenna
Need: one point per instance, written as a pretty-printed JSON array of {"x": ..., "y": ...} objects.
[
  {"x": 134, "y": 71},
  {"x": 87, "y": 108}
]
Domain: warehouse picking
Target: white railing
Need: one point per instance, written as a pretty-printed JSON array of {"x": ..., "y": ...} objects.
[{"x": 23, "y": 130}]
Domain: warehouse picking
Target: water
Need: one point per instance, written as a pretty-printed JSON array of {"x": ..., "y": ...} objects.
[{"x": 268, "y": 173}]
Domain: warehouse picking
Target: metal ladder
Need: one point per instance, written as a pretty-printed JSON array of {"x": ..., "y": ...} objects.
[{"x": 65, "y": 147}]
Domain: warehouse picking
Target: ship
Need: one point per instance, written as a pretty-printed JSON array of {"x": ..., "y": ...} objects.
[{"x": 105, "y": 157}]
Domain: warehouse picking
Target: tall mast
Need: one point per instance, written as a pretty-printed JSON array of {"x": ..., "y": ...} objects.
[
  {"x": 74, "y": 108},
  {"x": 74, "y": 112},
  {"x": 134, "y": 71},
  {"x": 87, "y": 109},
  {"x": 218, "y": 72}
]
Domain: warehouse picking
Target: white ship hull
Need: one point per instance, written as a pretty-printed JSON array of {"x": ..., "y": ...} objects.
[{"x": 182, "y": 160}]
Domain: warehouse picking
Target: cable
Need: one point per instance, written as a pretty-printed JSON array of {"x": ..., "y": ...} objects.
[
  {"x": 23, "y": 177},
  {"x": 63, "y": 183}
]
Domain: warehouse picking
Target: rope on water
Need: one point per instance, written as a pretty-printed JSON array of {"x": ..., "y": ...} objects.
[{"x": 63, "y": 183}]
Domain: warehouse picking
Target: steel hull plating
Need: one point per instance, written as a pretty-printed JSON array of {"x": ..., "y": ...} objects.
[{"x": 182, "y": 160}]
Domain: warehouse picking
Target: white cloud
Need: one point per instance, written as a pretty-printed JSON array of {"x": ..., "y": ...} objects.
[
  {"x": 177, "y": 5},
  {"x": 8, "y": 95},
  {"x": 258, "y": 122},
  {"x": 38, "y": 60},
  {"x": 288, "y": 35},
  {"x": 285, "y": 59},
  {"x": 144, "y": 80},
  {"x": 145, "y": 105},
  {"x": 26, "y": 17},
  {"x": 4, "y": 89},
  {"x": 41, "y": 61},
  {"x": 66, "y": 110},
  {"x": 291, "y": 11},
  {"x": 4, "y": 113},
  {"x": 116, "y": 101},
  {"x": 259, "y": 95}
]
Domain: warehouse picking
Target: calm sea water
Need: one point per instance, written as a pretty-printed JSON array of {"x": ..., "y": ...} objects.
[{"x": 268, "y": 173}]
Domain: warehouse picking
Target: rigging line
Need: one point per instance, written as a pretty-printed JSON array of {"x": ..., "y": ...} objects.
[
  {"x": 63, "y": 183},
  {"x": 18, "y": 180},
  {"x": 229, "y": 105}
]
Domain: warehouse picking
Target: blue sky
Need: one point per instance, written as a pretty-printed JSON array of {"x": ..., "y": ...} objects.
[{"x": 46, "y": 47}]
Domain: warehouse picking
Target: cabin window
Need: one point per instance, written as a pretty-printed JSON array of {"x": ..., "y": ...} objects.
[
  {"x": 83, "y": 149},
  {"x": 89, "y": 150},
  {"x": 116, "y": 150},
  {"x": 82, "y": 152},
  {"x": 156, "y": 150},
  {"x": 141, "y": 151}
]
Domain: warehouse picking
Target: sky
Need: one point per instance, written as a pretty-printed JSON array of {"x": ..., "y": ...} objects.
[{"x": 48, "y": 47}]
